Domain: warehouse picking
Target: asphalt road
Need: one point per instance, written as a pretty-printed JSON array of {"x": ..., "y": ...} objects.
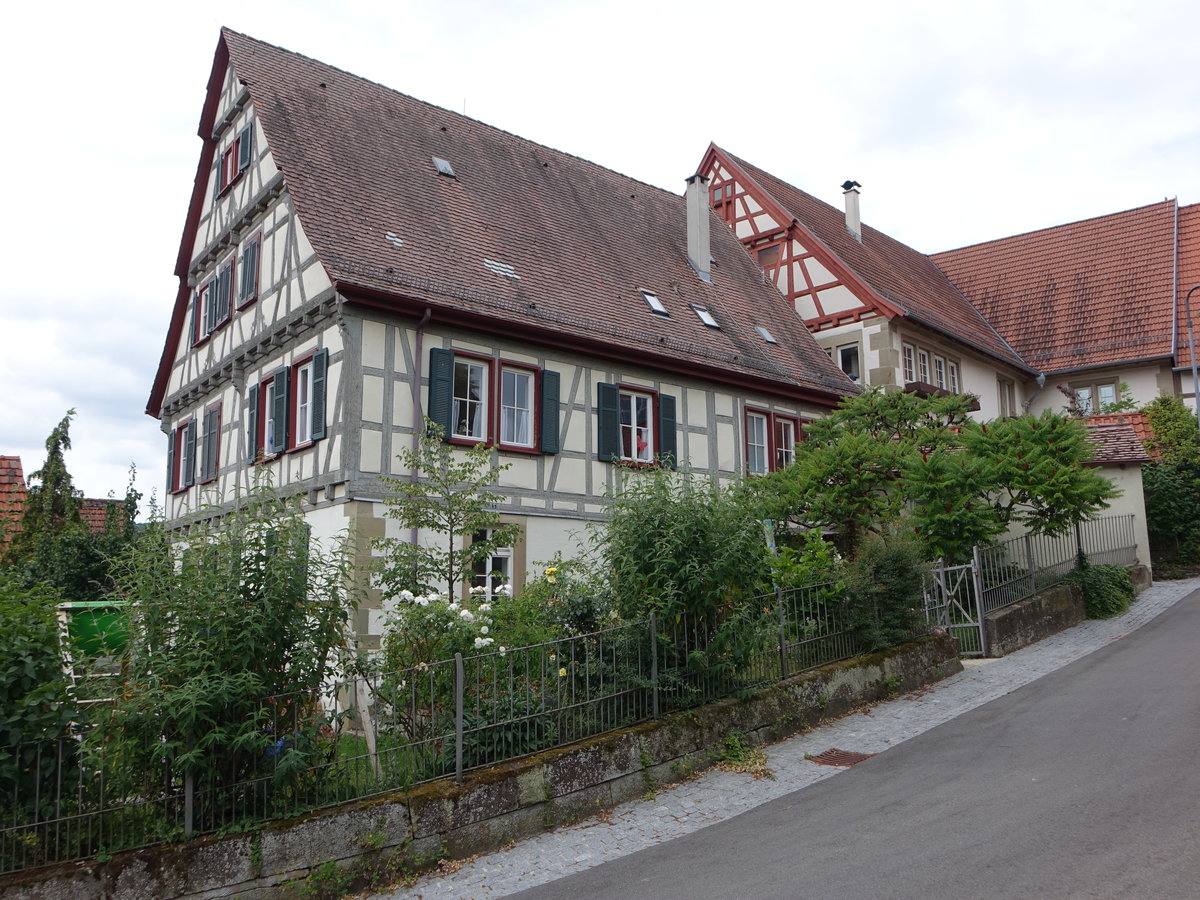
[{"x": 1085, "y": 783}]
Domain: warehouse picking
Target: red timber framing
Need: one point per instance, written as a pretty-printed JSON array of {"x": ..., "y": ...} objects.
[{"x": 783, "y": 247}]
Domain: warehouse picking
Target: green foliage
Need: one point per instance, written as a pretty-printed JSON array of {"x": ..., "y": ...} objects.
[
  {"x": 886, "y": 455},
  {"x": 884, "y": 588},
  {"x": 1107, "y": 590},
  {"x": 233, "y": 632},
  {"x": 567, "y": 598},
  {"x": 54, "y": 545},
  {"x": 1172, "y": 483},
  {"x": 1176, "y": 435},
  {"x": 425, "y": 628},
  {"x": 677, "y": 543},
  {"x": 450, "y": 501}
]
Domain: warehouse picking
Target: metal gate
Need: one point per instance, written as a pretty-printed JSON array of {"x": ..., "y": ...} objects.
[{"x": 952, "y": 602}]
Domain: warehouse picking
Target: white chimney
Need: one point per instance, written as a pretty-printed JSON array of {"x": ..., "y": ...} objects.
[
  {"x": 853, "y": 220},
  {"x": 699, "y": 250}
]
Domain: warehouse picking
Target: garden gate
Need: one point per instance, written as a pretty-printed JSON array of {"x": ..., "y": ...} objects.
[{"x": 952, "y": 602}]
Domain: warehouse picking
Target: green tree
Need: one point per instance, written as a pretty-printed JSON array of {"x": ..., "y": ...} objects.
[
  {"x": 1171, "y": 483},
  {"x": 450, "y": 501}
]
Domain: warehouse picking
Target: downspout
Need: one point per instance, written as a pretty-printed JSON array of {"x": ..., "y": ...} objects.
[{"x": 418, "y": 419}]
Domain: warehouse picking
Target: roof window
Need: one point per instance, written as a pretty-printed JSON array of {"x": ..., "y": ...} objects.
[
  {"x": 654, "y": 303},
  {"x": 500, "y": 268},
  {"x": 766, "y": 335},
  {"x": 443, "y": 167},
  {"x": 394, "y": 238},
  {"x": 705, "y": 316}
]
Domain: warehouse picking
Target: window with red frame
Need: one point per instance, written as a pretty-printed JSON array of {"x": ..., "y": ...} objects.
[
  {"x": 770, "y": 441},
  {"x": 286, "y": 410},
  {"x": 181, "y": 456},
  {"x": 236, "y": 158},
  {"x": 477, "y": 399},
  {"x": 635, "y": 425},
  {"x": 212, "y": 306}
]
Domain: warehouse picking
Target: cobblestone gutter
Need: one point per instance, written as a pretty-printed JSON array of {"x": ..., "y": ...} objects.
[{"x": 493, "y": 806}]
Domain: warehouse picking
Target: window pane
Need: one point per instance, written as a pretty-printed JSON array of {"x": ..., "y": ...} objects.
[
  {"x": 785, "y": 442},
  {"x": 953, "y": 377},
  {"x": 1083, "y": 399},
  {"x": 848, "y": 360},
  {"x": 516, "y": 408},
  {"x": 1107, "y": 395},
  {"x": 267, "y": 406},
  {"x": 910, "y": 363},
  {"x": 304, "y": 404},
  {"x": 923, "y": 358},
  {"x": 470, "y": 379},
  {"x": 756, "y": 444},
  {"x": 939, "y": 369},
  {"x": 637, "y": 432}
]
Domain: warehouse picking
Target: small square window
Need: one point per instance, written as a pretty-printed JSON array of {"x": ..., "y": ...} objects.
[
  {"x": 654, "y": 303},
  {"x": 765, "y": 335},
  {"x": 705, "y": 316}
]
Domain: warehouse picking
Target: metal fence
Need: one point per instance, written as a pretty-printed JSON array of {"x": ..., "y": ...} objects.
[
  {"x": 1016, "y": 569},
  {"x": 103, "y": 789}
]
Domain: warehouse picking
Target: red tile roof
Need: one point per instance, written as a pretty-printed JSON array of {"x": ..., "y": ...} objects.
[
  {"x": 1091, "y": 293},
  {"x": 581, "y": 239},
  {"x": 901, "y": 275},
  {"x": 94, "y": 513},
  {"x": 1115, "y": 442},
  {"x": 12, "y": 498},
  {"x": 1189, "y": 277}
]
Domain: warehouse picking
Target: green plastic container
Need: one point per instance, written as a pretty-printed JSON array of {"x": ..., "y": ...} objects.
[{"x": 97, "y": 627}]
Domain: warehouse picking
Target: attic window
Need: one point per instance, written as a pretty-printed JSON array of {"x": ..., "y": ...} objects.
[
  {"x": 500, "y": 268},
  {"x": 766, "y": 335},
  {"x": 654, "y": 303},
  {"x": 443, "y": 167},
  {"x": 394, "y": 238},
  {"x": 705, "y": 316}
]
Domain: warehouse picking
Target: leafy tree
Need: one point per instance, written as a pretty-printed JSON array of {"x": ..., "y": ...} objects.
[
  {"x": 450, "y": 501},
  {"x": 1172, "y": 483},
  {"x": 883, "y": 455}
]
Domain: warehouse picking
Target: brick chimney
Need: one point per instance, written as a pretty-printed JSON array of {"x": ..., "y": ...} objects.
[
  {"x": 853, "y": 220},
  {"x": 699, "y": 250}
]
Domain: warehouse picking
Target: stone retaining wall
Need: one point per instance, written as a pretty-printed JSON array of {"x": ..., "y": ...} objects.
[{"x": 406, "y": 831}]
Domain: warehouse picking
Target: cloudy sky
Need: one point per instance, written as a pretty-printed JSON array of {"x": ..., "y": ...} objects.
[{"x": 964, "y": 121}]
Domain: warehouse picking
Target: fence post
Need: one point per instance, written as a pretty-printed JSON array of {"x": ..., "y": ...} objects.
[
  {"x": 654, "y": 663},
  {"x": 980, "y": 611},
  {"x": 1078, "y": 541},
  {"x": 458, "y": 718},
  {"x": 783, "y": 667},
  {"x": 1029, "y": 565},
  {"x": 189, "y": 797}
]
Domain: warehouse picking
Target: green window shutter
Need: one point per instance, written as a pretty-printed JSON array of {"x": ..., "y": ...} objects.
[
  {"x": 245, "y": 147},
  {"x": 667, "y": 447},
  {"x": 212, "y": 444},
  {"x": 549, "y": 423},
  {"x": 279, "y": 409},
  {"x": 441, "y": 387},
  {"x": 210, "y": 305},
  {"x": 320, "y": 364},
  {"x": 224, "y": 288},
  {"x": 172, "y": 438},
  {"x": 252, "y": 425},
  {"x": 195, "y": 317},
  {"x": 608, "y": 422},
  {"x": 188, "y": 476}
]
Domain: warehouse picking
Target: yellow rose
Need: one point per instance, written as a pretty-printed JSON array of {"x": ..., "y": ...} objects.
[{"x": 562, "y": 673}]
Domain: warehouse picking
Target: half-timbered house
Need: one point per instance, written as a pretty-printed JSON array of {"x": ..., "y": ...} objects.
[{"x": 355, "y": 260}]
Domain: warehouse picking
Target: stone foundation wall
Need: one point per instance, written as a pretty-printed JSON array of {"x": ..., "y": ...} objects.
[{"x": 410, "y": 830}]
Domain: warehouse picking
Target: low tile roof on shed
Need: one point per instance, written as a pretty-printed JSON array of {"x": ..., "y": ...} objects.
[
  {"x": 1085, "y": 294},
  {"x": 901, "y": 275},
  {"x": 581, "y": 240},
  {"x": 1115, "y": 442}
]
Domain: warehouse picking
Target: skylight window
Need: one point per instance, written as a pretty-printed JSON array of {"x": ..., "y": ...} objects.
[
  {"x": 654, "y": 303},
  {"x": 705, "y": 316},
  {"x": 394, "y": 238},
  {"x": 443, "y": 167},
  {"x": 766, "y": 335},
  {"x": 500, "y": 268}
]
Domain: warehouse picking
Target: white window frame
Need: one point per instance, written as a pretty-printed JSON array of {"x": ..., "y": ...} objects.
[
  {"x": 952, "y": 371},
  {"x": 923, "y": 366},
  {"x": 841, "y": 360},
  {"x": 266, "y": 409},
  {"x": 636, "y": 440},
  {"x": 304, "y": 406},
  {"x": 939, "y": 372},
  {"x": 480, "y": 403},
  {"x": 785, "y": 442},
  {"x": 909, "y": 355},
  {"x": 500, "y": 560},
  {"x": 758, "y": 443},
  {"x": 511, "y": 412}
]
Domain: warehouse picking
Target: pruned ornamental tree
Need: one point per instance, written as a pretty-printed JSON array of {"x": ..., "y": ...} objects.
[
  {"x": 885, "y": 455},
  {"x": 450, "y": 500}
]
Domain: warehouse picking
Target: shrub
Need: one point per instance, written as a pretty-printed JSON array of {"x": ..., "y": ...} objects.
[
  {"x": 1107, "y": 590},
  {"x": 885, "y": 585}
]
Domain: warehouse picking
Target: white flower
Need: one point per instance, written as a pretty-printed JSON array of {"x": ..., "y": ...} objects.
[
  {"x": 421, "y": 601},
  {"x": 478, "y": 590},
  {"x": 503, "y": 591},
  {"x": 485, "y": 607},
  {"x": 465, "y": 615},
  {"x": 453, "y": 606},
  {"x": 483, "y": 629},
  {"x": 481, "y": 642},
  {"x": 406, "y": 596},
  {"x": 503, "y": 651}
]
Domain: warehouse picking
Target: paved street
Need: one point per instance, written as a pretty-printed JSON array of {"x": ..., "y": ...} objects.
[{"x": 1080, "y": 784}]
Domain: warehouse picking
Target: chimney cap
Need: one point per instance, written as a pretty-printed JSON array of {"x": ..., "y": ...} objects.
[{"x": 850, "y": 185}]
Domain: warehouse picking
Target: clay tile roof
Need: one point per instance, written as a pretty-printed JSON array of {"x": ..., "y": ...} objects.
[
  {"x": 1189, "y": 277},
  {"x": 580, "y": 239},
  {"x": 12, "y": 498},
  {"x": 1090, "y": 293},
  {"x": 901, "y": 275},
  {"x": 94, "y": 513},
  {"x": 1117, "y": 441}
]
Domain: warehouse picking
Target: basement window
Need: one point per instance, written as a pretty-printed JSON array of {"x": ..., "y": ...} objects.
[
  {"x": 705, "y": 316},
  {"x": 654, "y": 303}
]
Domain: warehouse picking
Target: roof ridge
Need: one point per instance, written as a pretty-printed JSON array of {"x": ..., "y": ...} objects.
[
  {"x": 1033, "y": 231},
  {"x": 458, "y": 115}
]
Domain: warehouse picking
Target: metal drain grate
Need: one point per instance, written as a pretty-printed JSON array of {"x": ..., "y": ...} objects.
[{"x": 835, "y": 757}]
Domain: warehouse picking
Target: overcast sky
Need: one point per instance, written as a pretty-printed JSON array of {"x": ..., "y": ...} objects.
[{"x": 963, "y": 120}]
